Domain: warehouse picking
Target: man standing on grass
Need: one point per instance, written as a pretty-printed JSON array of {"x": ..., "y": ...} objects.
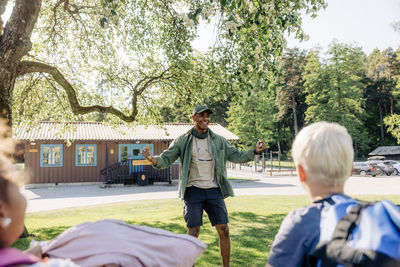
[{"x": 203, "y": 182}]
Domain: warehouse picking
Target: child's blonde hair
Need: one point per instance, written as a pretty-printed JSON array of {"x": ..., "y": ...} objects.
[{"x": 325, "y": 151}]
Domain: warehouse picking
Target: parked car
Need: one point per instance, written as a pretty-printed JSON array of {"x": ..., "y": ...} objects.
[
  {"x": 364, "y": 169},
  {"x": 395, "y": 164},
  {"x": 361, "y": 168},
  {"x": 376, "y": 168},
  {"x": 382, "y": 169}
]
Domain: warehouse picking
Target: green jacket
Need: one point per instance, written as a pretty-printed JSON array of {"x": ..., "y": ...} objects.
[{"x": 222, "y": 149}]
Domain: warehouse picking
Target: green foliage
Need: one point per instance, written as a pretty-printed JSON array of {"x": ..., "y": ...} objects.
[
  {"x": 393, "y": 124},
  {"x": 251, "y": 117},
  {"x": 341, "y": 86},
  {"x": 141, "y": 49},
  {"x": 290, "y": 90},
  {"x": 137, "y": 56},
  {"x": 334, "y": 90},
  {"x": 382, "y": 70}
]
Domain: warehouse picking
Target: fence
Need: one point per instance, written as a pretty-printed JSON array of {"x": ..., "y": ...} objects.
[
  {"x": 131, "y": 171},
  {"x": 261, "y": 164}
]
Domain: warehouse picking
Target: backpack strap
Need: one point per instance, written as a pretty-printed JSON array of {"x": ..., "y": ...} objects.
[
  {"x": 332, "y": 199},
  {"x": 336, "y": 250}
]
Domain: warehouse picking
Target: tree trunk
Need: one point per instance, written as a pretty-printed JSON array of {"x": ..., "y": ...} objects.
[
  {"x": 294, "y": 107},
  {"x": 15, "y": 43},
  {"x": 279, "y": 155},
  {"x": 6, "y": 85},
  {"x": 381, "y": 122},
  {"x": 339, "y": 98},
  {"x": 391, "y": 104}
]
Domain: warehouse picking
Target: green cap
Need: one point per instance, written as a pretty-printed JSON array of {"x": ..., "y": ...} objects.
[{"x": 201, "y": 108}]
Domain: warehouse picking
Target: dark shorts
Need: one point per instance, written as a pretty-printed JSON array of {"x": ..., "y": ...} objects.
[{"x": 210, "y": 200}]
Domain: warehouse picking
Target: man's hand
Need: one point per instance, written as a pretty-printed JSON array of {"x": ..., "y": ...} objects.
[
  {"x": 260, "y": 147},
  {"x": 146, "y": 153}
]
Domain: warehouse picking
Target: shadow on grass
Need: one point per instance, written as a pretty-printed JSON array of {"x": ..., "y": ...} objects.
[
  {"x": 178, "y": 227},
  {"x": 254, "y": 238},
  {"x": 40, "y": 234},
  {"x": 251, "y": 239}
]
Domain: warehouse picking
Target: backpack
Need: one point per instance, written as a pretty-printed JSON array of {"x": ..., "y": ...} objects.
[{"x": 357, "y": 233}]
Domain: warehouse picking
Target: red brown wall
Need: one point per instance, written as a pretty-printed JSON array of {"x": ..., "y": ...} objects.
[{"x": 69, "y": 172}]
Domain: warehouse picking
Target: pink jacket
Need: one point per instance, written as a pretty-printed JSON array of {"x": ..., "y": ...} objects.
[
  {"x": 113, "y": 241},
  {"x": 12, "y": 257}
]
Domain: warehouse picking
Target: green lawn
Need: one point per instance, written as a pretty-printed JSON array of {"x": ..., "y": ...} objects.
[{"x": 254, "y": 221}]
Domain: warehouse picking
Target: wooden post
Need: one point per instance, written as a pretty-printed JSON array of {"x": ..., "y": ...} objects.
[
  {"x": 270, "y": 154},
  {"x": 279, "y": 159},
  {"x": 107, "y": 178},
  {"x": 263, "y": 162}
]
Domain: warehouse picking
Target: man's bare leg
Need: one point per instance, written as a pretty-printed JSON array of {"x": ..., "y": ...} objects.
[
  {"x": 224, "y": 243},
  {"x": 194, "y": 231}
]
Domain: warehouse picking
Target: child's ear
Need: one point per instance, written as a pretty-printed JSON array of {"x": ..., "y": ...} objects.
[{"x": 301, "y": 173}]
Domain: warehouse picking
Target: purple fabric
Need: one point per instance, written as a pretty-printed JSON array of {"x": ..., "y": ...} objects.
[
  {"x": 12, "y": 257},
  {"x": 113, "y": 241}
]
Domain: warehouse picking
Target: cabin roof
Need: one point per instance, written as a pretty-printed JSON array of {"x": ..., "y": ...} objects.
[
  {"x": 80, "y": 131},
  {"x": 385, "y": 150}
]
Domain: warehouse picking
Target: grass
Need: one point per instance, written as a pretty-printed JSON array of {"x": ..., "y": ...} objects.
[{"x": 254, "y": 221}]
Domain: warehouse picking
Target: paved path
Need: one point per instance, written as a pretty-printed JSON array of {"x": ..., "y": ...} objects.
[{"x": 57, "y": 197}]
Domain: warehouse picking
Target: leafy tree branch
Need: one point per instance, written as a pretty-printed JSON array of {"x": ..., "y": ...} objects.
[{"x": 26, "y": 67}]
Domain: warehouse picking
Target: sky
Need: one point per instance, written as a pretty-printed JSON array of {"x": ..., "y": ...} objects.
[{"x": 367, "y": 23}]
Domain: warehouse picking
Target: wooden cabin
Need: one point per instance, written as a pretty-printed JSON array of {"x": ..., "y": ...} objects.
[
  {"x": 389, "y": 152},
  {"x": 82, "y": 152}
]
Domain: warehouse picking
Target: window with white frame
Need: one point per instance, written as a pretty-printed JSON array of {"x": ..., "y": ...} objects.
[
  {"x": 86, "y": 155},
  {"x": 51, "y": 155}
]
